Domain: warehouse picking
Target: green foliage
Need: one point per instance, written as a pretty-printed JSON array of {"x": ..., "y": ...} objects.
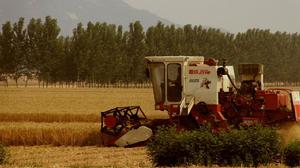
[
  {"x": 3, "y": 154},
  {"x": 104, "y": 53},
  {"x": 291, "y": 154},
  {"x": 189, "y": 147},
  {"x": 249, "y": 147}
]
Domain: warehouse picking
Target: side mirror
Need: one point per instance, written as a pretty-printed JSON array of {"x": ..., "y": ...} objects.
[{"x": 222, "y": 71}]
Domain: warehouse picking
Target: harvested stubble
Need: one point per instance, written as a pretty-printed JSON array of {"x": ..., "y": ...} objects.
[
  {"x": 56, "y": 134},
  {"x": 46, "y": 156}
]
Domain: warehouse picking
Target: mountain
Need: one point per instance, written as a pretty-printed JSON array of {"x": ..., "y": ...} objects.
[{"x": 70, "y": 12}]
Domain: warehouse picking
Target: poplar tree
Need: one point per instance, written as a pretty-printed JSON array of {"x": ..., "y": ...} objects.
[{"x": 136, "y": 52}]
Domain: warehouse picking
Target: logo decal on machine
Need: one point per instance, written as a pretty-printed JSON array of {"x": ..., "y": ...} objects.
[
  {"x": 205, "y": 83},
  {"x": 199, "y": 71},
  {"x": 194, "y": 80}
]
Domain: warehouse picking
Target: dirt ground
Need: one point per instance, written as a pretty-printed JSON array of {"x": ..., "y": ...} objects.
[{"x": 47, "y": 156}]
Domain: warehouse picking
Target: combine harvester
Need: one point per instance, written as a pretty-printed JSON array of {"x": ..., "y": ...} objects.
[{"x": 197, "y": 91}]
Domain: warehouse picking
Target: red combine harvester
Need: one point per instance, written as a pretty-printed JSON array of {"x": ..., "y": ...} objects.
[{"x": 194, "y": 92}]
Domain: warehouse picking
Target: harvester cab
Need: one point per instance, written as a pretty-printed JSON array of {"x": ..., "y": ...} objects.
[{"x": 190, "y": 85}]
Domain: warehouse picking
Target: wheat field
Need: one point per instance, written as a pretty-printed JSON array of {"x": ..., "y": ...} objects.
[
  {"x": 59, "y": 104},
  {"x": 55, "y": 134},
  {"x": 63, "y": 117},
  {"x": 55, "y": 127}
]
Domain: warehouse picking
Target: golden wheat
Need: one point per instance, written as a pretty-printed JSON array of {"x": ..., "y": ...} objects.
[
  {"x": 39, "y": 116},
  {"x": 48, "y": 117},
  {"x": 56, "y": 134},
  {"x": 70, "y": 105}
]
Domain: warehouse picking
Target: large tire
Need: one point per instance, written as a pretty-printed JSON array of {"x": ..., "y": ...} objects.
[{"x": 201, "y": 108}]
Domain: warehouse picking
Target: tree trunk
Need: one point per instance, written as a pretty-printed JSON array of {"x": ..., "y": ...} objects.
[
  {"x": 26, "y": 82},
  {"x": 6, "y": 80},
  {"x": 16, "y": 80}
]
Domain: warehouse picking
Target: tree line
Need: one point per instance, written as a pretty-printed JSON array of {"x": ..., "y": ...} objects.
[{"x": 108, "y": 53}]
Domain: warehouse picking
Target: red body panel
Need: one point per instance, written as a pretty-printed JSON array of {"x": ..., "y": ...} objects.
[
  {"x": 265, "y": 107},
  {"x": 214, "y": 107},
  {"x": 297, "y": 111},
  {"x": 274, "y": 101}
]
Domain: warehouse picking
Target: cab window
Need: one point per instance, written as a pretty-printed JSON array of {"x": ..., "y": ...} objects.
[
  {"x": 174, "y": 86},
  {"x": 157, "y": 74}
]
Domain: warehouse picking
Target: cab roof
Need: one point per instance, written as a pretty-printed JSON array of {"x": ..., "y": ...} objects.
[{"x": 175, "y": 58}]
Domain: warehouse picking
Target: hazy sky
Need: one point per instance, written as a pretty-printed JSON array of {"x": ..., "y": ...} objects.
[{"x": 232, "y": 15}]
